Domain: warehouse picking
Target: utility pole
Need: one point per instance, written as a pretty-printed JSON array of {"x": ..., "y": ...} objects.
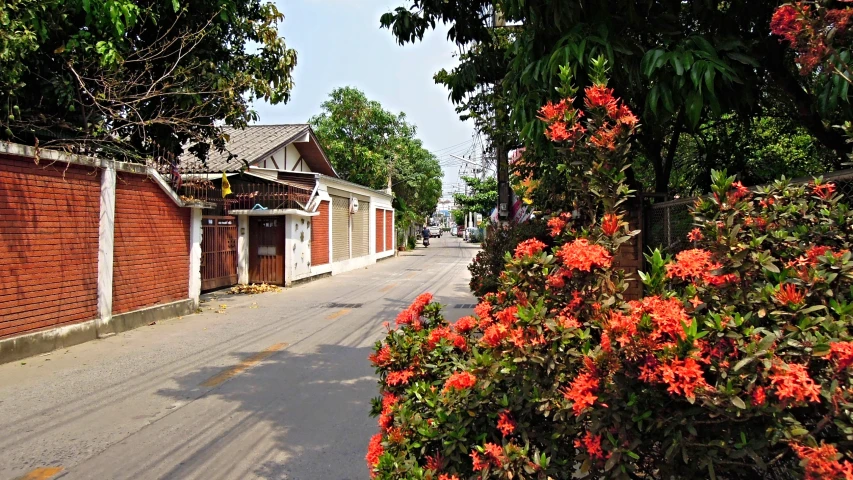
[{"x": 500, "y": 146}]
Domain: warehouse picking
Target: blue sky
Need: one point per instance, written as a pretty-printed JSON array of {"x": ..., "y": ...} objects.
[{"x": 339, "y": 43}]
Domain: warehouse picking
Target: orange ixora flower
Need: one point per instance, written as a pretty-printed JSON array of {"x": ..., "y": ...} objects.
[
  {"x": 551, "y": 112},
  {"x": 610, "y": 224},
  {"x": 505, "y": 423},
  {"x": 374, "y": 451},
  {"x": 684, "y": 377},
  {"x": 580, "y": 392},
  {"x": 529, "y": 248},
  {"x": 842, "y": 353},
  {"x": 788, "y": 294},
  {"x": 465, "y": 324},
  {"x": 382, "y": 357},
  {"x": 400, "y": 378},
  {"x": 824, "y": 190},
  {"x": 592, "y": 444},
  {"x": 792, "y": 382},
  {"x": 582, "y": 255},
  {"x": 695, "y": 235},
  {"x": 823, "y": 462},
  {"x": 460, "y": 381},
  {"x": 557, "y": 225}
]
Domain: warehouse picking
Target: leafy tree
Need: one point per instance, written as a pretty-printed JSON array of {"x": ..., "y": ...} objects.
[
  {"x": 679, "y": 65},
  {"x": 482, "y": 196},
  {"x": 371, "y": 146},
  {"x": 130, "y": 78},
  {"x": 361, "y": 138}
]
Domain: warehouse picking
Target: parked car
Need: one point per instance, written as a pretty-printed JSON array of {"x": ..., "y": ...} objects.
[
  {"x": 460, "y": 230},
  {"x": 453, "y": 230},
  {"x": 473, "y": 235},
  {"x": 435, "y": 232}
]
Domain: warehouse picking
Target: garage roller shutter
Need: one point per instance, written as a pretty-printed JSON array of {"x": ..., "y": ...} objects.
[
  {"x": 340, "y": 228},
  {"x": 361, "y": 230}
]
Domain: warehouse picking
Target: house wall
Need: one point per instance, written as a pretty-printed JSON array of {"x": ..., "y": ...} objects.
[
  {"x": 297, "y": 248},
  {"x": 151, "y": 256},
  {"x": 48, "y": 244},
  {"x": 285, "y": 159}
]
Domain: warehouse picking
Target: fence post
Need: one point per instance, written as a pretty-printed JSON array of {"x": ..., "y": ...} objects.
[
  {"x": 195, "y": 257},
  {"x": 106, "y": 248},
  {"x": 666, "y": 221}
]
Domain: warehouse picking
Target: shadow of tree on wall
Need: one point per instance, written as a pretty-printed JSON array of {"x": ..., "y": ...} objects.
[{"x": 304, "y": 416}]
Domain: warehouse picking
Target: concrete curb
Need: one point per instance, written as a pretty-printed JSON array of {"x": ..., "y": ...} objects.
[{"x": 46, "y": 341}]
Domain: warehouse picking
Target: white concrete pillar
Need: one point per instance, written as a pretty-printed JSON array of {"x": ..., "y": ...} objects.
[
  {"x": 106, "y": 246},
  {"x": 371, "y": 228},
  {"x": 195, "y": 256},
  {"x": 289, "y": 250},
  {"x": 243, "y": 249}
]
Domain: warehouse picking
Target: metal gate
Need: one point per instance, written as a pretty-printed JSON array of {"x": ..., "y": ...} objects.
[
  {"x": 266, "y": 250},
  {"x": 218, "y": 252}
]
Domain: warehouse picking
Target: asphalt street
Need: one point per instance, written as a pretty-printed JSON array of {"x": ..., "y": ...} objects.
[{"x": 271, "y": 386}]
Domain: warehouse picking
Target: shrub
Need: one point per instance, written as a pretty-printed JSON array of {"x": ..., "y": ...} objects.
[
  {"x": 735, "y": 365},
  {"x": 489, "y": 262}
]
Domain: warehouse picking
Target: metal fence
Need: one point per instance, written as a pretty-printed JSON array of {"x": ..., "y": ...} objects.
[{"x": 667, "y": 223}]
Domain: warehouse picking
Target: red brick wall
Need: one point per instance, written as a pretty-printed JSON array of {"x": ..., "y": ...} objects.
[
  {"x": 320, "y": 236},
  {"x": 389, "y": 228},
  {"x": 48, "y": 244},
  {"x": 151, "y": 258},
  {"x": 380, "y": 230}
]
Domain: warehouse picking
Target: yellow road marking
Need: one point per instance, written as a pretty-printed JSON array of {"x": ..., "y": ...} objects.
[
  {"x": 340, "y": 313},
  {"x": 246, "y": 364},
  {"x": 412, "y": 275},
  {"x": 41, "y": 473},
  {"x": 388, "y": 288}
]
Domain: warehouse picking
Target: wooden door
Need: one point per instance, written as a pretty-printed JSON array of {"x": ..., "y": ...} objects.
[
  {"x": 218, "y": 252},
  {"x": 266, "y": 250}
]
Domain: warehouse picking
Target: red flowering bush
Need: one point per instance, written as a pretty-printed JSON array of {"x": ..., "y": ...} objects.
[{"x": 737, "y": 364}]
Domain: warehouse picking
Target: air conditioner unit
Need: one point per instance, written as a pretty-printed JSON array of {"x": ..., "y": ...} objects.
[{"x": 353, "y": 205}]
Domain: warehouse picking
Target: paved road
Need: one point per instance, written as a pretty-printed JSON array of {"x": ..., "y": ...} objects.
[{"x": 273, "y": 386}]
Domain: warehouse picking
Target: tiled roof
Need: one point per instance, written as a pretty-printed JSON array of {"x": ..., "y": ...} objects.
[{"x": 249, "y": 144}]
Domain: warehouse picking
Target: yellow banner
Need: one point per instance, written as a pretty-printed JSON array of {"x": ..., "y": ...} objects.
[{"x": 226, "y": 187}]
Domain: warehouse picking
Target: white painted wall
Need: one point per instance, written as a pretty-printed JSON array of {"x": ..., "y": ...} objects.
[
  {"x": 286, "y": 159},
  {"x": 297, "y": 255}
]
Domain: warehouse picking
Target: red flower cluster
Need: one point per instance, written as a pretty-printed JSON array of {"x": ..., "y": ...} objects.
[
  {"x": 558, "y": 224},
  {"x": 400, "y": 378},
  {"x": 582, "y": 255},
  {"x": 507, "y": 316},
  {"x": 557, "y": 132},
  {"x": 447, "y": 476},
  {"x": 465, "y": 324},
  {"x": 381, "y": 358},
  {"x": 667, "y": 317},
  {"x": 610, "y": 224},
  {"x": 580, "y": 392},
  {"x": 552, "y": 112},
  {"x": 695, "y": 235},
  {"x": 792, "y": 382},
  {"x": 759, "y": 396},
  {"x": 483, "y": 309},
  {"x": 460, "y": 381},
  {"x": 494, "y": 334},
  {"x": 505, "y": 423},
  {"x": 696, "y": 264},
  {"x": 822, "y": 463},
  {"x": 374, "y": 451},
  {"x": 592, "y": 444},
  {"x": 787, "y": 22},
  {"x": 684, "y": 377},
  {"x": 824, "y": 190},
  {"x": 788, "y": 294},
  {"x": 412, "y": 315},
  {"x": 529, "y": 248},
  {"x": 842, "y": 353},
  {"x": 599, "y": 96},
  {"x": 447, "y": 333}
]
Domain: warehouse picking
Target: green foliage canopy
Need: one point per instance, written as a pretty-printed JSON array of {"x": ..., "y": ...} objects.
[{"x": 134, "y": 77}]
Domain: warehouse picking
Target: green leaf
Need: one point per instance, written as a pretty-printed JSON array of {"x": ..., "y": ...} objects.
[
  {"x": 694, "y": 109},
  {"x": 176, "y": 5},
  {"x": 736, "y": 401}
]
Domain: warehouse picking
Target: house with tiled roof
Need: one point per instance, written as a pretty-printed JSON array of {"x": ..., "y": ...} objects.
[{"x": 285, "y": 214}]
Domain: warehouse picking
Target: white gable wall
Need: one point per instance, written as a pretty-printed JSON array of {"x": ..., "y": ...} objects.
[{"x": 285, "y": 159}]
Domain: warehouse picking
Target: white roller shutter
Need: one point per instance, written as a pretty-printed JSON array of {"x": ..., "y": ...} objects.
[
  {"x": 361, "y": 230},
  {"x": 340, "y": 228}
]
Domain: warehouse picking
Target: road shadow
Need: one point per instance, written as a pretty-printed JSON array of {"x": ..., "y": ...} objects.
[{"x": 311, "y": 412}]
